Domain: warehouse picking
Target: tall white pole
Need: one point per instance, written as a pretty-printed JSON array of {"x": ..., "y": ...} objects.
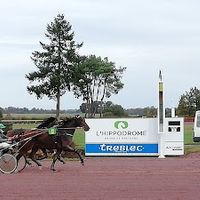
[
  {"x": 161, "y": 117},
  {"x": 173, "y": 112}
]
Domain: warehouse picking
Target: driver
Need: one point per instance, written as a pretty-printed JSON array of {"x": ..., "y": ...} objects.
[{"x": 3, "y": 140}]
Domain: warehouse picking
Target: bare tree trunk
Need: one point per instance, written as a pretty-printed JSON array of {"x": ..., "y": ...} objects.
[
  {"x": 87, "y": 109},
  {"x": 58, "y": 106},
  {"x": 101, "y": 109}
]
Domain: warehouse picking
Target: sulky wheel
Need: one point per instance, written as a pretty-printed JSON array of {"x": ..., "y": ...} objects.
[
  {"x": 8, "y": 163},
  {"x": 21, "y": 162}
]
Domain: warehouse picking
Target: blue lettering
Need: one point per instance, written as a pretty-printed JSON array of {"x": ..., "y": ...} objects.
[{"x": 121, "y": 148}]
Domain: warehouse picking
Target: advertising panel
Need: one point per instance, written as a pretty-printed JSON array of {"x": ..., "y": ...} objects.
[
  {"x": 122, "y": 137},
  {"x": 133, "y": 136}
]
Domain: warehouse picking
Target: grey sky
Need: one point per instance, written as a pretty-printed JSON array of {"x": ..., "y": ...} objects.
[{"x": 142, "y": 35}]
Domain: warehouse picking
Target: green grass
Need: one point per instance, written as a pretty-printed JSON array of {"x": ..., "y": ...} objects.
[
  {"x": 24, "y": 126},
  {"x": 188, "y": 134},
  {"x": 188, "y": 140},
  {"x": 79, "y": 139},
  {"x": 36, "y": 116},
  {"x": 28, "y": 116}
]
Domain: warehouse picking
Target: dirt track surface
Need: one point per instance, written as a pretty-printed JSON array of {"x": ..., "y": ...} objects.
[{"x": 174, "y": 178}]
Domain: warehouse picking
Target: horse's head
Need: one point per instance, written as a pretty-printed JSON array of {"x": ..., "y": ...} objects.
[
  {"x": 75, "y": 122},
  {"x": 81, "y": 123},
  {"x": 47, "y": 123}
]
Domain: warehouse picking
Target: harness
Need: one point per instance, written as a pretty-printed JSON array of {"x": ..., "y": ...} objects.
[
  {"x": 61, "y": 135},
  {"x": 54, "y": 131}
]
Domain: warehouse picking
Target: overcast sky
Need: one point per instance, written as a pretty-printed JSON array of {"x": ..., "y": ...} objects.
[{"x": 142, "y": 35}]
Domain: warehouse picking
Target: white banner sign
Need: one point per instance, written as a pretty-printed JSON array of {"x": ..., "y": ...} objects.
[
  {"x": 138, "y": 136},
  {"x": 121, "y": 136}
]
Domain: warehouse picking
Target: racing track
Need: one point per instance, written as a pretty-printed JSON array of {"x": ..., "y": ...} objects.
[{"x": 117, "y": 178}]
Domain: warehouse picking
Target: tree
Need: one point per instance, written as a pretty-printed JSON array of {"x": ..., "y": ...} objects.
[
  {"x": 150, "y": 111},
  {"x": 1, "y": 113},
  {"x": 96, "y": 108},
  {"x": 95, "y": 80},
  {"x": 55, "y": 63},
  {"x": 114, "y": 110},
  {"x": 189, "y": 102}
]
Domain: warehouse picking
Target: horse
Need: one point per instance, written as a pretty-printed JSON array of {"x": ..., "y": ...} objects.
[
  {"x": 47, "y": 123},
  {"x": 62, "y": 141},
  {"x": 18, "y": 134}
]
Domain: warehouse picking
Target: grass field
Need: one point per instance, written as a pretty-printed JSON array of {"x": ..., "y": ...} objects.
[
  {"x": 190, "y": 146},
  {"x": 188, "y": 134},
  {"x": 36, "y": 116}
]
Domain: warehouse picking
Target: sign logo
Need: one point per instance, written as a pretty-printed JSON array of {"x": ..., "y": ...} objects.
[
  {"x": 121, "y": 149},
  {"x": 121, "y": 124}
]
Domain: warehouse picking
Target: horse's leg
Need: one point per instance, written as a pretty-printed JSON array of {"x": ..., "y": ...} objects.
[
  {"x": 61, "y": 159},
  {"x": 45, "y": 154},
  {"x": 23, "y": 151},
  {"x": 32, "y": 154},
  {"x": 19, "y": 155},
  {"x": 80, "y": 157},
  {"x": 71, "y": 149},
  {"x": 29, "y": 163},
  {"x": 55, "y": 158}
]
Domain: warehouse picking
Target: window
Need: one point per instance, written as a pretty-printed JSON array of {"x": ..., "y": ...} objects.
[{"x": 198, "y": 121}]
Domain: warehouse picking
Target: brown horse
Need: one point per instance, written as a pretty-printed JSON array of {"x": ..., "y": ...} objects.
[
  {"x": 62, "y": 141},
  {"x": 18, "y": 134}
]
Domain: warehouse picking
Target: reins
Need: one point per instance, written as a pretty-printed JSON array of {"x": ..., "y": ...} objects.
[
  {"x": 59, "y": 128},
  {"x": 69, "y": 134}
]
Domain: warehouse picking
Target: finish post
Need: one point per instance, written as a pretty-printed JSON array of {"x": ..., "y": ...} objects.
[{"x": 161, "y": 117}]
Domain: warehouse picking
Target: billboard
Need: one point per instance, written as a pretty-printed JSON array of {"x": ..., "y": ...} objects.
[
  {"x": 121, "y": 137},
  {"x": 133, "y": 136}
]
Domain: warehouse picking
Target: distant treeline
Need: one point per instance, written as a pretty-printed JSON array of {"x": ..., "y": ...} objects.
[
  {"x": 133, "y": 112},
  {"x": 146, "y": 111},
  {"x": 14, "y": 110}
]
